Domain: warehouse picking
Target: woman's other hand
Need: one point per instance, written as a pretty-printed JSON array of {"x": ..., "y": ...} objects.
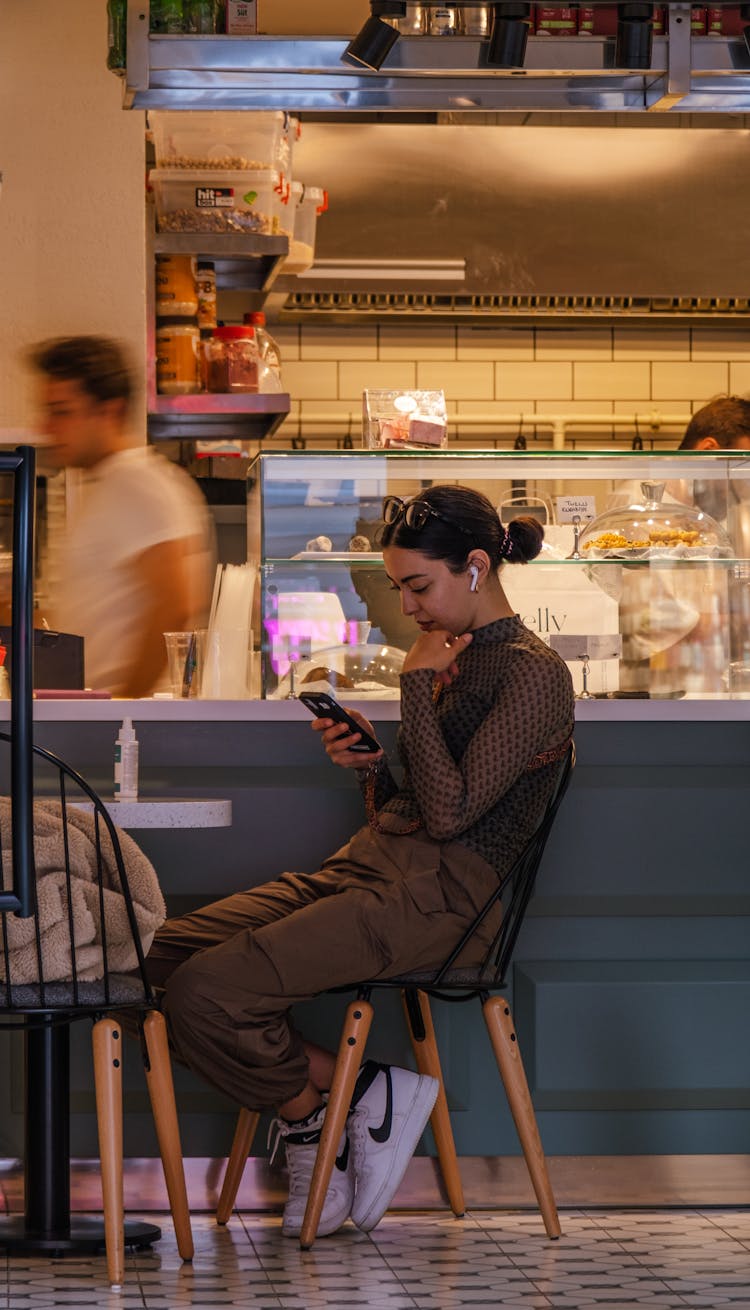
[
  {"x": 437, "y": 650},
  {"x": 338, "y": 740}
]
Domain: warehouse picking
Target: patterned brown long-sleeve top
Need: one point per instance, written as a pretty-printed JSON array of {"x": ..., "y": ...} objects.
[{"x": 466, "y": 754}]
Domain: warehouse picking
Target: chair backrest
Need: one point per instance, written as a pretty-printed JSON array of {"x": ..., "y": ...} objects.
[
  {"x": 83, "y": 936},
  {"x": 69, "y": 927},
  {"x": 21, "y": 464},
  {"x": 513, "y": 893}
]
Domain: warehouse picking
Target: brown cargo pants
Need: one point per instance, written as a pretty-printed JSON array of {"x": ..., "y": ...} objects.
[{"x": 381, "y": 905}]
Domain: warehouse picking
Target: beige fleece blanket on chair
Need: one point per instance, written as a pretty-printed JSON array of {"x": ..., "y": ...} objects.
[{"x": 52, "y": 899}]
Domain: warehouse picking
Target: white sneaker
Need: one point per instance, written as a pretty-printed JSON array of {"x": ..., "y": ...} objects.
[
  {"x": 390, "y": 1109},
  {"x": 301, "y": 1146}
]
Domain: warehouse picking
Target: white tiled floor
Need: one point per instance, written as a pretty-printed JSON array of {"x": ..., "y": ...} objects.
[{"x": 614, "y": 1259}]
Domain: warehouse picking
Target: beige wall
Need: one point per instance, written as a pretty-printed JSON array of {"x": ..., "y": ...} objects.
[{"x": 71, "y": 210}]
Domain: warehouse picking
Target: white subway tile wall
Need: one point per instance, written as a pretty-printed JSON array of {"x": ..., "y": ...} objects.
[
  {"x": 638, "y": 343},
  {"x": 611, "y": 381},
  {"x": 498, "y": 372},
  {"x": 694, "y": 381}
]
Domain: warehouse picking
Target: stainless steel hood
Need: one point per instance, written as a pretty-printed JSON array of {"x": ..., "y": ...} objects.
[{"x": 439, "y": 219}]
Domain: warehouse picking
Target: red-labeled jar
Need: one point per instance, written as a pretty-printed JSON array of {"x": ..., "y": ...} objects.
[{"x": 232, "y": 359}]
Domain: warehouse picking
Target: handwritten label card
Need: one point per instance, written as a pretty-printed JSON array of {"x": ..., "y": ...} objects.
[{"x": 569, "y": 508}]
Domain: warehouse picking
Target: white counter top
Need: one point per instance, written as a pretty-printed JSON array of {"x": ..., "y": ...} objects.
[{"x": 699, "y": 710}]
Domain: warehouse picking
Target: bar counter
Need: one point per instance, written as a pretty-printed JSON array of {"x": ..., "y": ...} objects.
[
  {"x": 686, "y": 709},
  {"x": 631, "y": 982}
]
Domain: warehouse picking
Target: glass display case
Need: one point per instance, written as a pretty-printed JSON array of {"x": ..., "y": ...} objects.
[{"x": 643, "y": 583}]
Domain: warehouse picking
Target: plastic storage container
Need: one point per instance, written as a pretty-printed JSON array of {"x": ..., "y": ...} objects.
[
  {"x": 308, "y": 202},
  {"x": 224, "y": 139},
  {"x": 204, "y": 200},
  {"x": 269, "y": 355}
]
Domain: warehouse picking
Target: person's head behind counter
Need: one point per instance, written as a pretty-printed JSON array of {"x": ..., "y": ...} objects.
[{"x": 722, "y": 424}]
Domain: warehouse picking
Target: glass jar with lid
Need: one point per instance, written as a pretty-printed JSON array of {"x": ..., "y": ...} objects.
[
  {"x": 654, "y": 528},
  {"x": 177, "y": 356},
  {"x": 232, "y": 359},
  {"x": 176, "y": 293}
]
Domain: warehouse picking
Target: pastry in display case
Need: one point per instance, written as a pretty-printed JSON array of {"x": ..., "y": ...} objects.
[{"x": 634, "y": 565}]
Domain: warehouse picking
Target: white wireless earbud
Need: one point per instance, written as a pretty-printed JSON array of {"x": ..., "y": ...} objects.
[{"x": 474, "y": 571}]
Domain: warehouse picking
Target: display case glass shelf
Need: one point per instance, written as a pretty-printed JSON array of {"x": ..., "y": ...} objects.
[{"x": 670, "y": 618}]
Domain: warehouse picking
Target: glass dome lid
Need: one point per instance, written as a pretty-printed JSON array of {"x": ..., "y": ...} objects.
[
  {"x": 370, "y": 670},
  {"x": 654, "y": 529}
]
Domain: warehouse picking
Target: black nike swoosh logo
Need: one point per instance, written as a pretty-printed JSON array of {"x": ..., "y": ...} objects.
[
  {"x": 382, "y": 1133},
  {"x": 343, "y": 1159}
]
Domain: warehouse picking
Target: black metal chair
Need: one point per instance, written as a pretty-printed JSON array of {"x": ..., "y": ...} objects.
[
  {"x": 448, "y": 983},
  {"x": 43, "y": 998}
]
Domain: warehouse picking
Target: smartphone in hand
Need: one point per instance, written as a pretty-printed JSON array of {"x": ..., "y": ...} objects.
[{"x": 324, "y": 706}]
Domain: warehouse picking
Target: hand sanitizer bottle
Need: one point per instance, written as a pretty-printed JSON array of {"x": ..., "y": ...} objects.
[{"x": 126, "y": 763}]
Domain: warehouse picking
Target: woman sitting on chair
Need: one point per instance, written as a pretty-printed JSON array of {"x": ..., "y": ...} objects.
[{"x": 487, "y": 714}]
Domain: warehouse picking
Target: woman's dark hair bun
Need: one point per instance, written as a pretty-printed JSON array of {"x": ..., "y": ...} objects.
[{"x": 526, "y": 535}]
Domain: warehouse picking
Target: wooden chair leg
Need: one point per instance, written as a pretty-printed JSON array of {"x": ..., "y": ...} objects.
[
  {"x": 247, "y": 1123},
  {"x": 350, "y": 1055},
  {"x": 499, "y": 1022},
  {"x": 107, "y": 1044},
  {"x": 428, "y": 1062},
  {"x": 164, "y": 1109}
]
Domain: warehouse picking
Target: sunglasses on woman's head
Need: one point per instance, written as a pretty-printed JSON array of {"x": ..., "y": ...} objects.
[{"x": 415, "y": 514}]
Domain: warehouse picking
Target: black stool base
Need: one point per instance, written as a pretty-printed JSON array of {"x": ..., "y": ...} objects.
[{"x": 86, "y": 1237}]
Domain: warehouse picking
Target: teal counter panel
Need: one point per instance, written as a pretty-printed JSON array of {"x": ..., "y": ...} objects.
[{"x": 632, "y": 983}]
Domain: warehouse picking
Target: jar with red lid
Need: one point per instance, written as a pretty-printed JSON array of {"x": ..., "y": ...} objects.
[{"x": 232, "y": 359}]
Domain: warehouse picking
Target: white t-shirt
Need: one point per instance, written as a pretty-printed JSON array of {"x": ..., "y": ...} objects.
[{"x": 131, "y": 501}]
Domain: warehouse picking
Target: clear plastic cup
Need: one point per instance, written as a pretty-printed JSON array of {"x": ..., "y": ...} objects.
[
  {"x": 357, "y": 632},
  {"x": 228, "y": 665},
  {"x": 739, "y": 681},
  {"x": 185, "y": 655}
]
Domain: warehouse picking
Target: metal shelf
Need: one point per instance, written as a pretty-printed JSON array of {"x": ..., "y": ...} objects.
[
  {"x": 699, "y": 74},
  {"x": 246, "y": 263},
  {"x": 242, "y": 263},
  {"x": 247, "y": 417}
]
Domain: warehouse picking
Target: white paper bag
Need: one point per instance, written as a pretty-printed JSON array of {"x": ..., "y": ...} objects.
[{"x": 552, "y": 598}]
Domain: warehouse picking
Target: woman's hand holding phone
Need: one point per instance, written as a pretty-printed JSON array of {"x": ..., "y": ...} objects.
[{"x": 338, "y": 740}]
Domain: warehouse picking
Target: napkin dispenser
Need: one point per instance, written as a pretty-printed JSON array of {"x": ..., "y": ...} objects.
[{"x": 58, "y": 659}]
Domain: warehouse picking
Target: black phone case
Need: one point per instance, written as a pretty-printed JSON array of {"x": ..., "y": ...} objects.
[{"x": 324, "y": 706}]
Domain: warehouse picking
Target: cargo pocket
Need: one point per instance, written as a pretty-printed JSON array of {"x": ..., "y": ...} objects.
[{"x": 423, "y": 886}]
